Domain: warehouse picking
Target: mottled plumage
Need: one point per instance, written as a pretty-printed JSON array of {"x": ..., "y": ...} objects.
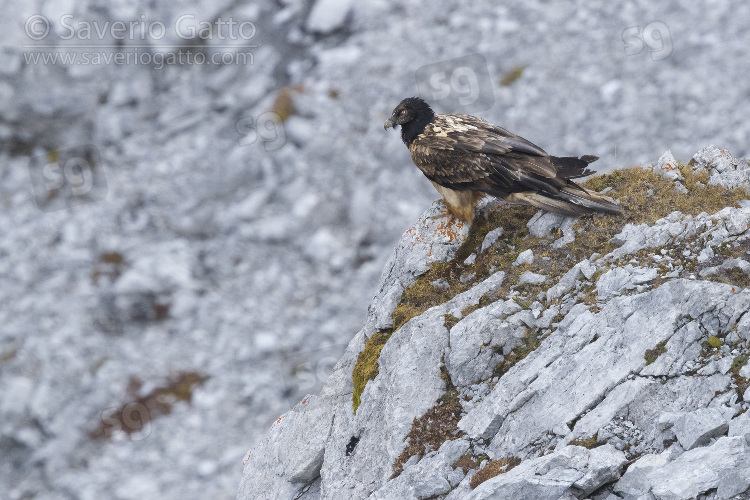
[{"x": 466, "y": 157}]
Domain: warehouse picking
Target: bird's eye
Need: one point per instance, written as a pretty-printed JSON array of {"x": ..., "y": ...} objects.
[{"x": 402, "y": 112}]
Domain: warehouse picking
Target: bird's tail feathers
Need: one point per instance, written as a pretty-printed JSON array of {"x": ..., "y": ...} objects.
[
  {"x": 592, "y": 200},
  {"x": 570, "y": 201},
  {"x": 570, "y": 167},
  {"x": 547, "y": 203}
]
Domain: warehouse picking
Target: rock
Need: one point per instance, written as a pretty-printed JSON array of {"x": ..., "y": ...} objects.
[
  {"x": 566, "y": 283},
  {"x": 568, "y": 233},
  {"x": 587, "y": 269},
  {"x": 697, "y": 428},
  {"x": 705, "y": 255},
  {"x": 491, "y": 238},
  {"x": 525, "y": 257},
  {"x": 723, "y": 466},
  {"x": 532, "y": 278},
  {"x": 619, "y": 279},
  {"x": 300, "y": 468},
  {"x": 573, "y": 469},
  {"x": 543, "y": 223},
  {"x": 429, "y": 476},
  {"x": 327, "y": 16},
  {"x": 740, "y": 426},
  {"x": 469, "y": 362},
  {"x": 668, "y": 168},
  {"x": 723, "y": 170}
]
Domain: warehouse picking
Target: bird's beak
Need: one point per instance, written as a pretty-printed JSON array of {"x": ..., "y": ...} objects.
[{"x": 390, "y": 122}]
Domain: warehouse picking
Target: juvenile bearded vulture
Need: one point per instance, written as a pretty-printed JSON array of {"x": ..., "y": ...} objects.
[{"x": 466, "y": 157}]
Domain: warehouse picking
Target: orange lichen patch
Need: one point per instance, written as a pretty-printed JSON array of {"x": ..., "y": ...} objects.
[
  {"x": 278, "y": 421},
  {"x": 301, "y": 403},
  {"x": 247, "y": 458},
  {"x": 451, "y": 229},
  {"x": 671, "y": 166},
  {"x": 447, "y": 230}
]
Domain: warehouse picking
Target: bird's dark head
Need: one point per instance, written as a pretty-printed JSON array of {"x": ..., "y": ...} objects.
[{"x": 413, "y": 114}]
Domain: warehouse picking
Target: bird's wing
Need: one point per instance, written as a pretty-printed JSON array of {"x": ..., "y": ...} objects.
[
  {"x": 464, "y": 152},
  {"x": 476, "y": 134}
]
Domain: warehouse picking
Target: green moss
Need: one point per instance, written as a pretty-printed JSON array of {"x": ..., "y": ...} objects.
[
  {"x": 483, "y": 301},
  {"x": 632, "y": 186},
  {"x": 734, "y": 276},
  {"x": 738, "y": 363},
  {"x": 492, "y": 469},
  {"x": 742, "y": 383},
  {"x": 422, "y": 295},
  {"x": 590, "y": 442},
  {"x": 366, "y": 367},
  {"x": 714, "y": 342},
  {"x": 438, "y": 425},
  {"x": 450, "y": 321},
  {"x": 652, "y": 354},
  {"x": 512, "y": 75}
]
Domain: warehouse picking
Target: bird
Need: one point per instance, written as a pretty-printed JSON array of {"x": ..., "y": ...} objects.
[{"x": 467, "y": 158}]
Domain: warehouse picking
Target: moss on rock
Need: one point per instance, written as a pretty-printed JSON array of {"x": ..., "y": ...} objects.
[
  {"x": 652, "y": 354},
  {"x": 366, "y": 367}
]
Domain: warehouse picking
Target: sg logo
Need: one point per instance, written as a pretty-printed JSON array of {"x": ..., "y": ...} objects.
[
  {"x": 267, "y": 129},
  {"x": 306, "y": 372},
  {"x": 655, "y": 36},
  {"x": 63, "y": 178},
  {"x": 461, "y": 84}
]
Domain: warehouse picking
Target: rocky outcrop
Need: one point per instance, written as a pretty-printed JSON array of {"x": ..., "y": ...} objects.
[{"x": 554, "y": 358}]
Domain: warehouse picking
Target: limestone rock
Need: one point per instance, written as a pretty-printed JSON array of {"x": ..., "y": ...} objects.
[{"x": 576, "y": 392}]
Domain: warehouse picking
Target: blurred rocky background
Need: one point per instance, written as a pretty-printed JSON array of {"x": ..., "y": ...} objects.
[{"x": 198, "y": 197}]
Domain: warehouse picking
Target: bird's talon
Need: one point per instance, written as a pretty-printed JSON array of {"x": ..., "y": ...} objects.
[{"x": 441, "y": 214}]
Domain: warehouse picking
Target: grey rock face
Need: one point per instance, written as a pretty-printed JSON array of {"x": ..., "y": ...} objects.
[
  {"x": 724, "y": 169},
  {"x": 723, "y": 466},
  {"x": 573, "y": 470},
  {"x": 627, "y": 399},
  {"x": 696, "y": 428}
]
